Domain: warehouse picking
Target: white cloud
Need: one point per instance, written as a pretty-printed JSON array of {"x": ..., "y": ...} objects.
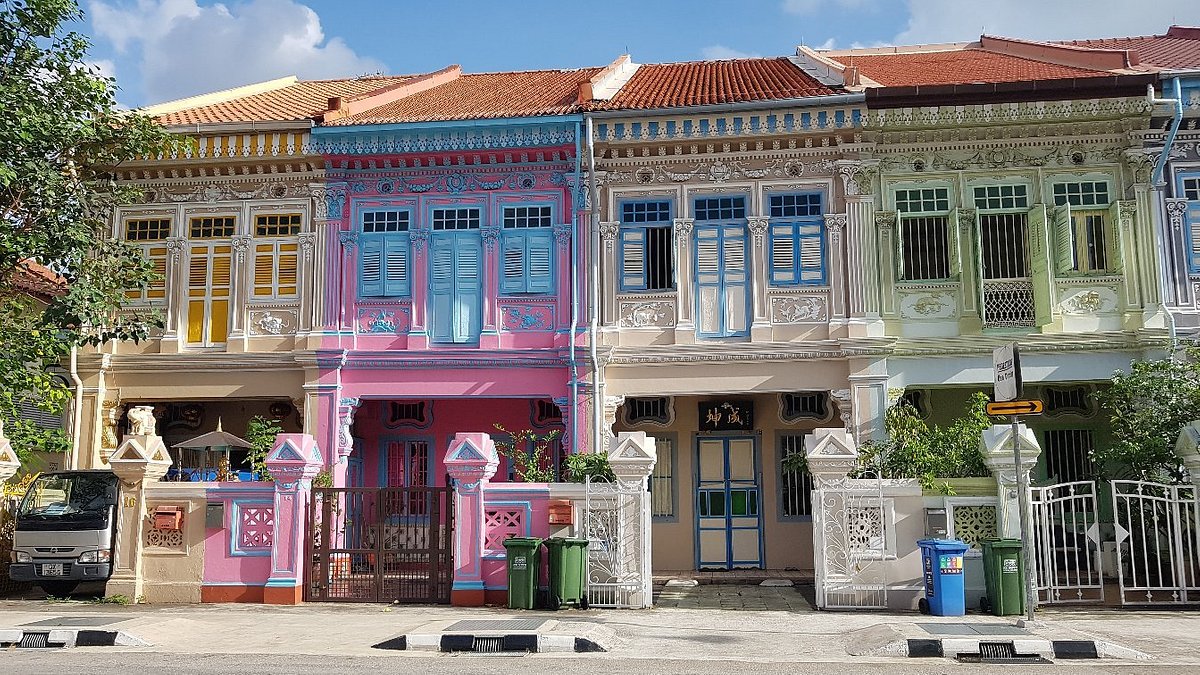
[
  {"x": 965, "y": 20},
  {"x": 103, "y": 67},
  {"x": 812, "y": 6},
  {"x": 721, "y": 52},
  {"x": 185, "y": 49}
]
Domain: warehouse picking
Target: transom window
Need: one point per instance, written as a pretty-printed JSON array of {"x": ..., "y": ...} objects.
[
  {"x": 721, "y": 208},
  {"x": 1002, "y": 197},
  {"x": 1087, "y": 193},
  {"x": 1067, "y": 401},
  {"x": 277, "y": 225},
  {"x": 796, "y": 205},
  {"x": 527, "y": 216},
  {"x": 647, "y": 250},
  {"x": 923, "y": 200},
  {"x": 656, "y": 409},
  {"x": 813, "y": 405},
  {"x": 148, "y": 229},
  {"x": 385, "y": 221},
  {"x": 1191, "y": 188},
  {"x": 215, "y": 227},
  {"x": 456, "y": 219}
]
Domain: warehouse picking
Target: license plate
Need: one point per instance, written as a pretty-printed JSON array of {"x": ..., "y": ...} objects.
[{"x": 54, "y": 570}]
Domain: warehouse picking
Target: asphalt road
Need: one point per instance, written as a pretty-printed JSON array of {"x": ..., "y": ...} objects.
[{"x": 94, "y": 660}]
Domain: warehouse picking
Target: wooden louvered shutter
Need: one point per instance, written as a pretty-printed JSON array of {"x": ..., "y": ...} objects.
[
  {"x": 512, "y": 274},
  {"x": 396, "y": 277},
  {"x": 539, "y": 252},
  {"x": 783, "y": 254},
  {"x": 735, "y": 279},
  {"x": 288, "y": 270},
  {"x": 633, "y": 259},
  {"x": 812, "y": 253},
  {"x": 441, "y": 286},
  {"x": 468, "y": 296},
  {"x": 1062, "y": 227},
  {"x": 371, "y": 270}
]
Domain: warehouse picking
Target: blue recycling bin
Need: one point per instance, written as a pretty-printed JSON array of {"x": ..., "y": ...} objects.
[{"x": 942, "y": 564}]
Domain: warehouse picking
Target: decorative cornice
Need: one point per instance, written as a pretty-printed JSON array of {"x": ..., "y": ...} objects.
[
  {"x": 703, "y": 127},
  {"x": 1006, "y": 113},
  {"x": 357, "y": 141}
]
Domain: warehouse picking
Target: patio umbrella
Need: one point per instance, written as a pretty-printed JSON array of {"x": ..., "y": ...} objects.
[{"x": 214, "y": 441}]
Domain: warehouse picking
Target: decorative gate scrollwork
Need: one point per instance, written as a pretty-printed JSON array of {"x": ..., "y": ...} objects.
[{"x": 617, "y": 526}]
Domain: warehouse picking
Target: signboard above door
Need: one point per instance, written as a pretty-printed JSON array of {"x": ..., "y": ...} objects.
[{"x": 727, "y": 415}]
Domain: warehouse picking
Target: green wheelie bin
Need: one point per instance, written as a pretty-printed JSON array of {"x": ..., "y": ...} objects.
[
  {"x": 1004, "y": 577},
  {"x": 568, "y": 572},
  {"x": 523, "y": 569}
]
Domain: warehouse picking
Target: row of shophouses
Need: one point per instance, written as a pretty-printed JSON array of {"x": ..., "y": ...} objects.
[{"x": 725, "y": 255}]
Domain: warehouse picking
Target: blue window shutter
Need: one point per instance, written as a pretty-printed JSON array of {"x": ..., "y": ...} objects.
[
  {"x": 736, "y": 280},
  {"x": 539, "y": 259},
  {"x": 783, "y": 254},
  {"x": 371, "y": 269},
  {"x": 1193, "y": 232},
  {"x": 441, "y": 287},
  {"x": 396, "y": 277},
  {"x": 811, "y": 248},
  {"x": 633, "y": 259},
  {"x": 512, "y": 268},
  {"x": 468, "y": 280}
]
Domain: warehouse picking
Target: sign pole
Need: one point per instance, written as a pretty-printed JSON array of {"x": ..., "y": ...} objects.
[{"x": 1023, "y": 504}]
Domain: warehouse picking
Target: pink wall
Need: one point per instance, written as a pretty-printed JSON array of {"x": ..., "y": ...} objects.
[
  {"x": 237, "y": 566},
  {"x": 503, "y": 502}
]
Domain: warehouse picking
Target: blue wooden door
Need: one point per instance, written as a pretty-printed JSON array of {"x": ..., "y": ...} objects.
[
  {"x": 456, "y": 286},
  {"x": 722, "y": 281},
  {"x": 728, "y": 504}
]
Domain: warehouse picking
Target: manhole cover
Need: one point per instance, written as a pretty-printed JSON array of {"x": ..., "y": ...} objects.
[
  {"x": 78, "y": 621},
  {"x": 472, "y": 625}
]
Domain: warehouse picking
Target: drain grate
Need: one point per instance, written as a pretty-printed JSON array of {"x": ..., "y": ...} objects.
[
  {"x": 488, "y": 645},
  {"x": 1000, "y": 653},
  {"x": 33, "y": 640},
  {"x": 474, "y": 625}
]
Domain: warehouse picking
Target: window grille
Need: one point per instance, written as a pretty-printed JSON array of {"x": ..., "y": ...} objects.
[
  {"x": 721, "y": 208},
  {"x": 456, "y": 219},
  {"x": 1069, "y": 455},
  {"x": 811, "y": 405},
  {"x": 647, "y": 250},
  {"x": 655, "y": 409},
  {"x": 925, "y": 247},
  {"x": 924, "y": 200},
  {"x": 152, "y": 229},
  {"x": 385, "y": 221},
  {"x": 992, "y": 197},
  {"x": 1093, "y": 193},
  {"x": 408, "y": 413},
  {"x": 1067, "y": 401},
  {"x": 1090, "y": 234},
  {"x": 795, "y": 485},
  {"x": 218, "y": 227},
  {"x": 662, "y": 491},
  {"x": 527, "y": 216},
  {"x": 277, "y": 225},
  {"x": 546, "y": 413},
  {"x": 1003, "y": 243}
]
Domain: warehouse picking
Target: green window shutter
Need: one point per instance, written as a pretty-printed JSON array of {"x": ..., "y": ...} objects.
[
  {"x": 371, "y": 269},
  {"x": 1063, "y": 229}
]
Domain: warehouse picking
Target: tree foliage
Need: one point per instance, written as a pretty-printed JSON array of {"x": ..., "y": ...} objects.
[
  {"x": 916, "y": 449},
  {"x": 1147, "y": 408},
  {"x": 529, "y": 453},
  {"x": 261, "y": 432},
  {"x": 61, "y": 135}
]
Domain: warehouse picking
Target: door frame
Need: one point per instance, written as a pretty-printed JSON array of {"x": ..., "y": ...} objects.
[{"x": 755, "y": 438}]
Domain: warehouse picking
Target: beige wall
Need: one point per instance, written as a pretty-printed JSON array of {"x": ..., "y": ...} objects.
[
  {"x": 173, "y": 571},
  {"x": 787, "y": 543}
]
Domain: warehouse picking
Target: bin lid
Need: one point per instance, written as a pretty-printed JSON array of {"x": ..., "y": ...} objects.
[
  {"x": 1001, "y": 542},
  {"x": 521, "y": 542},
  {"x": 948, "y": 545},
  {"x": 566, "y": 541}
]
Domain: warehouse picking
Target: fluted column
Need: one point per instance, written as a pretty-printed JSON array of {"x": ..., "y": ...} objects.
[{"x": 862, "y": 270}]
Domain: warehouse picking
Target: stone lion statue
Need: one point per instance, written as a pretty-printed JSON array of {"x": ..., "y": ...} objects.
[{"x": 141, "y": 420}]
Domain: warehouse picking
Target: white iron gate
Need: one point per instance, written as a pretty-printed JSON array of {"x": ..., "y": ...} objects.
[
  {"x": 851, "y": 540},
  {"x": 1158, "y": 542},
  {"x": 617, "y": 526},
  {"x": 1066, "y": 537}
]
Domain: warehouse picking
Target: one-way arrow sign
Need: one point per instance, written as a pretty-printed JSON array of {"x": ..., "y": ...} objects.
[{"x": 1008, "y": 408}]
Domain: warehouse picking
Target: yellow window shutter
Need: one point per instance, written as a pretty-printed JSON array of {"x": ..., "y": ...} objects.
[
  {"x": 264, "y": 270},
  {"x": 219, "y": 321},
  {"x": 198, "y": 272}
]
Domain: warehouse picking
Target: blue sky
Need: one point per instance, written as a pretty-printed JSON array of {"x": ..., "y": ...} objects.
[{"x": 165, "y": 49}]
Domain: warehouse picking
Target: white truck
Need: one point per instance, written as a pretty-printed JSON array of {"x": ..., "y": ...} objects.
[{"x": 65, "y": 530}]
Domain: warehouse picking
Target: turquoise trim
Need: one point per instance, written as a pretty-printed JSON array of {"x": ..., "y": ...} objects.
[{"x": 447, "y": 124}]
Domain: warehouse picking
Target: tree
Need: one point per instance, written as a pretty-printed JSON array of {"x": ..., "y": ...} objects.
[
  {"x": 61, "y": 135},
  {"x": 1147, "y": 408}
]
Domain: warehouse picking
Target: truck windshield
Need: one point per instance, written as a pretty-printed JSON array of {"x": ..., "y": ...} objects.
[{"x": 69, "y": 496}]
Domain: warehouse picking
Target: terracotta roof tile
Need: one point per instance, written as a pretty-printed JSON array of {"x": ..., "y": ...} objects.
[
  {"x": 957, "y": 66},
  {"x": 37, "y": 280},
  {"x": 713, "y": 82},
  {"x": 299, "y": 101},
  {"x": 1177, "y": 49},
  {"x": 484, "y": 96}
]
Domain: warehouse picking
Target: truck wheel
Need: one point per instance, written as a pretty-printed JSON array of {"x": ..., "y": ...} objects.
[{"x": 58, "y": 589}]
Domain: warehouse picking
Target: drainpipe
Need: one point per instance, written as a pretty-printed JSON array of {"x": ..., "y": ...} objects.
[
  {"x": 76, "y": 410},
  {"x": 1157, "y": 183},
  {"x": 573, "y": 251},
  {"x": 594, "y": 282}
]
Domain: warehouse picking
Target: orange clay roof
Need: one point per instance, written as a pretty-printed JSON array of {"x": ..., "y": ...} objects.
[
  {"x": 526, "y": 93},
  {"x": 659, "y": 85},
  {"x": 956, "y": 66},
  {"x": 1178, "y": 48},
  {"x": 37, "y": 280},
  {"x": 299, "y": 101}
]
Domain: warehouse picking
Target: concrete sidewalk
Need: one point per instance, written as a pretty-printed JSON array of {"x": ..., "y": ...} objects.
[{"x": 1159, "y": 638}]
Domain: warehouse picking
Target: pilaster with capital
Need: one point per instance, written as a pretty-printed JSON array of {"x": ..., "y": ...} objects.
[
  {"x": 685, "y": 326},
  {"x": 239, "y": 286},
  {"x": 342, "y": 306},
  {"x": 885, "y": 229},
  {"x": 610, "y": 283},
  {"x": 419, "y": 239},
  {"x": 174, "y": 322},
  {"x": 835, "y": 258},
  {"x": 760, "y": 329},
  {"x": 1178, "y": 252},
  {"x": 308, "y": 273},
  {"x": 964, "y": 265},
  {"x": 862, "y": 269}
]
